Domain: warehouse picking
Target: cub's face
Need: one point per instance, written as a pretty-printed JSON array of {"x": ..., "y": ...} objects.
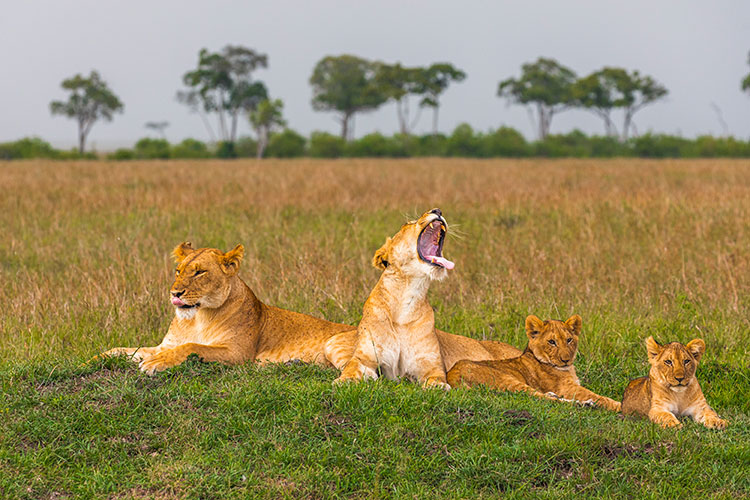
[
  {"x": 673, "y": 365},
  {"x": 417, "y": 249},
  {"x": 554, "y": 342},
  {"x": 202, "y": 278}
]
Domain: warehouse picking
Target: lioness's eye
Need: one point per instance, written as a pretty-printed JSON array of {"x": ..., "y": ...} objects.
[
  {"x": 198, "y": 273},
  {"x": 668, "y": 362},
  {"x": 570, "y": 340},
  {"x": 687, "y": 361},
  {"x": 552, "y": 342}
]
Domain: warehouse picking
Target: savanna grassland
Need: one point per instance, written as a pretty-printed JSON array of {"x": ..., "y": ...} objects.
[{"x": 635, "y": 247}]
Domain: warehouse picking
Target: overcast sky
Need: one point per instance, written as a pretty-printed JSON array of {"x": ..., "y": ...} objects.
[{"x": 698, "y": 49}]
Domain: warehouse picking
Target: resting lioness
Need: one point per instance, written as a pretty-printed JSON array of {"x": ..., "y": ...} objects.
[
  {"x": 397, "y": 332},
  {"x": 219, "y": 318},
  {"x": 671, "y": 389},
  {"x": 545, "y": 369}
]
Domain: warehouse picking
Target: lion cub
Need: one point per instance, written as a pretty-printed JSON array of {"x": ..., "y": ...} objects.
[
  {"x": 545, "y": 369},
  {"x": 671, "y": 389}
]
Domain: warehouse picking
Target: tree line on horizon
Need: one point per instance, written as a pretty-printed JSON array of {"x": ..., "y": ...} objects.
[{"x": 222, "y": 86}]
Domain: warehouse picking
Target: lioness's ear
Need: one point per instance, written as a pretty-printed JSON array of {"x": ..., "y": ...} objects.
[
  {"x": 182, "y": 250},
  {"x": 574, "y": 323},
  {"x": 696, "y": 348},
  {"x": 534, "y": 325},
  {"x": 380, "y": 259},
  {"x": 652, "y": 347},
  {"x": 231, "y": 260}
]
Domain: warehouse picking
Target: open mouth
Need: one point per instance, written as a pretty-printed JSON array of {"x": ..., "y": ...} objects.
[{"x": 430, "y": 244}]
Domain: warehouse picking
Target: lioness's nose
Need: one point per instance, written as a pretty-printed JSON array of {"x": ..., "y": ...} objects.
[
  {"x": 177, "y": 294},
  {"x": 679, "y": 379},
  {"x": 564, "y": 360},
  {"x": 436, "y": 211}
]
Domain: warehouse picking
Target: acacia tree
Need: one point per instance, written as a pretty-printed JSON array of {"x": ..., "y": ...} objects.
[
  {"x": 746, "y": 82},
  {"x": 601, "y": 92},
  {"x": 264, "y": 119},
  {"x": 639, "y": 91},
  {"x": 435, "y": 80},
  {"x": 544, "y": 84},
  {"x": 399, "y": 83},
  {"x": 158, "y": 127},
  {"x": 345, "y": 84},
  {"x": 222, "y": 84},
  {"x": 90, "y": 100}
]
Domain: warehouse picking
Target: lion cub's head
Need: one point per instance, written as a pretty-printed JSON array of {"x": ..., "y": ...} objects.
[
  {"x": 202, "y": 277},
  {"x": 417, "y": 249},
  {"x": 673, "y": 365},
  {"x": 554, "y": 342}
]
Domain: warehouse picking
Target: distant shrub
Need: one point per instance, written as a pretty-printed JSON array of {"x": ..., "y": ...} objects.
[
  {"x": 151, "y": 149},
  {"x": 121, "y": 154},
  {"x": 463, "y": 142},
  {"x": 574, "y": 144},
  {"x": 74, "y": 154},
  {"x": 370, "y": 145},
  {"x": 28, "y": 147},
  {"x": 662, "y": 146},
  {"x": 190, "y": 148},
  {"x": 287, "y": 144},
  {"x": 325, "y": 145},
  {"x": 246, "y": 147},
  {"x": 607, "y": 147},
  {"x": 225, "y": 150},
  {"x": 505, "y": 141},
  {"x": 707, "y": 146},
  {"x": 427, "y": 145}
]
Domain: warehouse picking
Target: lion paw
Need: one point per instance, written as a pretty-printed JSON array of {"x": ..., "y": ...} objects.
[
  {"x": 434, "y": 383},
  {"x": 671, "y": 424},
  {"x": 158, "y": 362},
  {"x": 715, "y": 423}
]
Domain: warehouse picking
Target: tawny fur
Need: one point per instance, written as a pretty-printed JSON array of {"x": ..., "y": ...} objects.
[
  {"x": 671, "y": 389},
  {"x": 228, "y": 323},
  {"x": 397, "y": 333},
  {"x": 545, "y": 369}
]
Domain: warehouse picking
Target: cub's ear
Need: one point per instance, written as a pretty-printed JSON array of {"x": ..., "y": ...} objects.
[
  {"x": 652, "y": 347},
  {"x": 696, "y": 348},
  {"x": 380, "y": 259},
  {"x": 574, "y": 323},
  {"x": 182, "y": 250},
  {"x": 534, "y": 326},
  {"x": 231, "y": 260}
]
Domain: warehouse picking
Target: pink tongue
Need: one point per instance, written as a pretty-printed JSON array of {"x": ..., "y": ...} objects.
[
  {"x": 442, "y": 261},
  {"x": 177, "y": 302}
]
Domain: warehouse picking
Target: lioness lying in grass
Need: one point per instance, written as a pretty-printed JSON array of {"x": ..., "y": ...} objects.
[
  {"x": 545, "y": 369},
  {"x": 219, "y": 318}
]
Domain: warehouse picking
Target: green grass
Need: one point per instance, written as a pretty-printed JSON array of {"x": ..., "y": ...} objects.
[
  {"x": 636, "y": 248},
  {"x": 209, "y": 431}
]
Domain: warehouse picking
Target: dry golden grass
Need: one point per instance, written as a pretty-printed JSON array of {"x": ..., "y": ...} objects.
[{"x": 636, "y": 247}]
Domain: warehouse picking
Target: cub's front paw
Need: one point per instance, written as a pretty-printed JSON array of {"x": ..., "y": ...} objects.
[
  {"x": 345, "y": 379},
  {"x": 435, "y": 383},
  {"x": 715, "y": 423},
  {"x": 670, "y": 423},
  {"x": 609, "y": 404}
]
